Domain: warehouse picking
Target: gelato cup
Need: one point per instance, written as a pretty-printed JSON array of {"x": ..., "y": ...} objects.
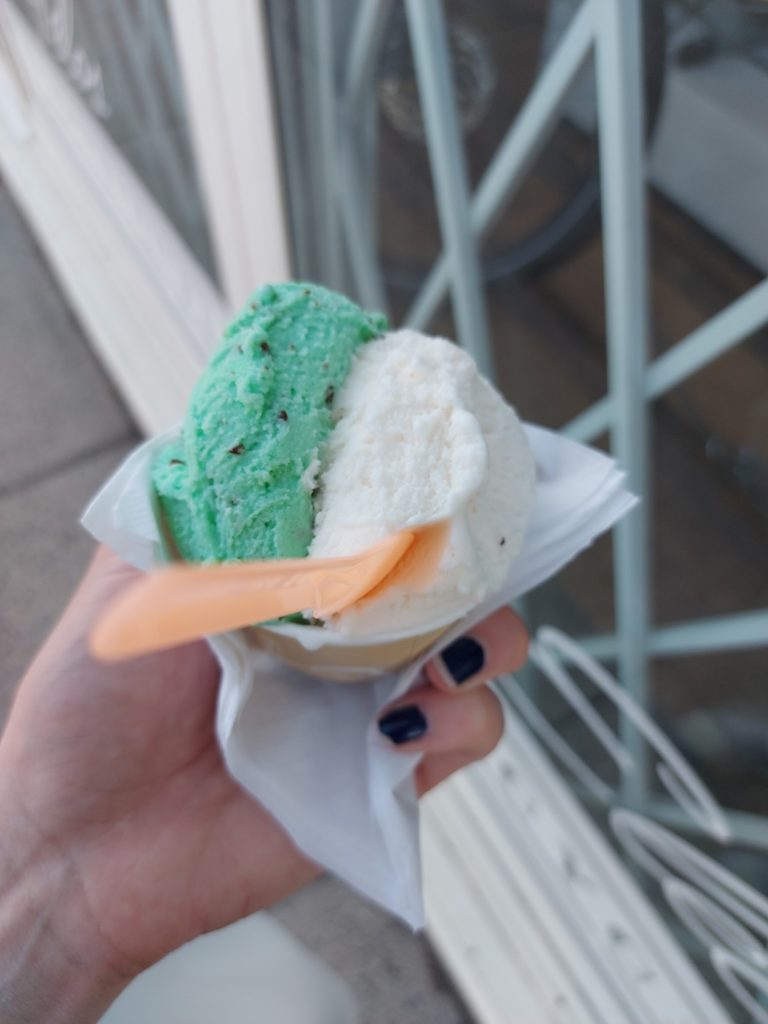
[
  {"x": 325, "y": 655},
  {"x": 315, "y": 432}
]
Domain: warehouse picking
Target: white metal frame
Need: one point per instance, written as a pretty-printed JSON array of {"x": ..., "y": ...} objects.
[{"x": 611, "y": 30}]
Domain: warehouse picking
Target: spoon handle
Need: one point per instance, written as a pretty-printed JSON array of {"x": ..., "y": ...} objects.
[{"x": 182, "y": 602}]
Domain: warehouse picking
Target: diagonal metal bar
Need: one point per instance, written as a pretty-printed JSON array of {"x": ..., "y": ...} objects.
[
  {"x": 620, "y": 114},
  {"x": 367, "y": 33},
  {"x": 707, "y": 343},
  {"x": 517, "y": 152},
  {"x": 431, "y": 53},
  {"x": 592, "y": 422},
  {"x": 746, "y": 829},
  {"x": 723, "y": 633},
  {"x": 354, "y": 208}
]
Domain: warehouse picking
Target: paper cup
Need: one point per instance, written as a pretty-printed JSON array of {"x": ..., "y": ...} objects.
[{"x": 326, "y": 655}]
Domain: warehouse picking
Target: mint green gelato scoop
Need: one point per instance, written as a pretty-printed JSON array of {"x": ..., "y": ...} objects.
[{"x": 238, "y": 483}]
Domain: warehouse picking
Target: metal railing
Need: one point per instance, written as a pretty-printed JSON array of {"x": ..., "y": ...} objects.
[{"x": 610, "y": 32}]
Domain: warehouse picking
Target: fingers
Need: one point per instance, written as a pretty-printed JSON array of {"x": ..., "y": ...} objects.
[
  {"x": 425, "y": 721},
  {"x": 494, "y": 646},
  {"x": 453, "y": 733},
  {"x": 450, "y": 733}
]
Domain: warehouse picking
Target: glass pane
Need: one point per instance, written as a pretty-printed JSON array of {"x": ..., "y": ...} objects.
[
  {"x": 710, "y": 489},
  {"x": 706, "y": 91},
  {"x": 498, "y": 50},
  {"x": 715, "y": 708},
  {"x": 543, "y": 258},
  {"x": 118, "y": 54}
]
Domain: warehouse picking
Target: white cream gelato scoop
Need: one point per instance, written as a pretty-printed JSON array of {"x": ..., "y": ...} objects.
[{"x": 422, "y": 437}]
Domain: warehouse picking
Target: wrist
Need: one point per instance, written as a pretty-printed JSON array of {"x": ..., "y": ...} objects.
[{"x": 52, "y": 970}]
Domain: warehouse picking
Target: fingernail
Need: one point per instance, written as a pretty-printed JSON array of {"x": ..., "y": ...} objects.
[
  {"x": 403, "y": 724},
  {"x": 462, "y": 659}
]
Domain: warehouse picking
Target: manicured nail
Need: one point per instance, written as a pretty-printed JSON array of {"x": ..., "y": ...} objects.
[
  {"x": 462, "y": 659},
  {"x": 403, "y": 724}
]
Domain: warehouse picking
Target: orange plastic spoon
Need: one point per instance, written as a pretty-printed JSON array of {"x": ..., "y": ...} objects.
[{"x": 182, "y": 602}]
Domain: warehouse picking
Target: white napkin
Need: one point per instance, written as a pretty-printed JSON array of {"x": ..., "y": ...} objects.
[{"x": 310, "y": 751}]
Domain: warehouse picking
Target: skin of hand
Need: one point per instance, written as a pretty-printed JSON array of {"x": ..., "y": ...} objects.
[{"x": 123, "y": 836}]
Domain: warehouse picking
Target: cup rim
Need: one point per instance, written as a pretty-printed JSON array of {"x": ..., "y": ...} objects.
[{"x": 323, "y": 637}]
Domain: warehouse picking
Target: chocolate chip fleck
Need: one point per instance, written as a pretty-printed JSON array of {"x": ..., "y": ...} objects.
[
  {"x": 306, "y": 292},
  {"x": 265, "y": 347},
  {"x": 330, "y": 391},
  {"x": 291, "y": 348},
  {"x": 282, "y": 415},
  {"x": 237, "y": 450},
  {"x": 175, "y": 462},
  {"x": 325, "y": 366},
  {"x": 502, "y": 542},
  {"x": 254, "y": 305}
]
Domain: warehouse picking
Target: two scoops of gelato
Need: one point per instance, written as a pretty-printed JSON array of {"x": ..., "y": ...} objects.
[{"x": 316, "y": 432}]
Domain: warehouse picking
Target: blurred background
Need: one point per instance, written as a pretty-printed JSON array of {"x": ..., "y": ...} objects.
[{"x": 572, "y": 189}]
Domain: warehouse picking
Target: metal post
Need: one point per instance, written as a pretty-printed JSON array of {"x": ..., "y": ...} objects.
[
  {"x": 620, "y": 108},
  {"x": 429, "y": 41}
]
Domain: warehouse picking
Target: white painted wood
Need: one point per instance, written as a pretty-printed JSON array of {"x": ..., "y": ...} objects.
[
  {"x": 527, "y": 901},
  {"x": 223, "y": 52},
  {"x": 150, "y": 311},
  {"x": 497, "y": 950},
  {"x": 491, "y": 971},
  {"x": 14, "y": 100}
]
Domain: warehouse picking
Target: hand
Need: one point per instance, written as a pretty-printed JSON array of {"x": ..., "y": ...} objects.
[{"x": 122, "y": 834}]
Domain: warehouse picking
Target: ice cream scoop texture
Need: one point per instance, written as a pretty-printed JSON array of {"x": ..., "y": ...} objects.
[
  {"x": 313, "y": 431},
  {"x": 238, "y": 483}
]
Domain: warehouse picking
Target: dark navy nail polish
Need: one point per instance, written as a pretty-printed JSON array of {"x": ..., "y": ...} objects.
[
  {"x": 403, "y": 724},
  {"x": 463, "y": 658}
]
